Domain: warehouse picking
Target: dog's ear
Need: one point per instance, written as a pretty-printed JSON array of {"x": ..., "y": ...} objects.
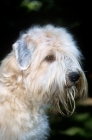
[{"x": 23, "y": 53}]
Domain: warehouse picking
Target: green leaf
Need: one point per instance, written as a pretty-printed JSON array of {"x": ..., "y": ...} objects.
[
  {"x": 74, "y": 131},
  {"x": 31, "y": 5}
]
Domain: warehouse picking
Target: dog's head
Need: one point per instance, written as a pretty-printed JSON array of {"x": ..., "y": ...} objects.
[{"x": 51, "y": 63}]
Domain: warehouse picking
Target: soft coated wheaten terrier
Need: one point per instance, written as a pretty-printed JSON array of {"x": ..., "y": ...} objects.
[{"x": 43, "y": 67}]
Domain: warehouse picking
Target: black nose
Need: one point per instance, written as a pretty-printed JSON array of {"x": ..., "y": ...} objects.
[{"x": 74, "y": 76}]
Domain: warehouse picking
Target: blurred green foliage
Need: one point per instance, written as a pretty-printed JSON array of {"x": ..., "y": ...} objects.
[{"x": 31, "y": 5}]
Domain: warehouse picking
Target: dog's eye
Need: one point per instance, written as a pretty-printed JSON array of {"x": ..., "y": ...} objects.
[{"x": 50, "y": 58}]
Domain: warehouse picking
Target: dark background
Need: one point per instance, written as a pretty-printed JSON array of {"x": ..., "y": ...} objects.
[{"x": 76, "y": 16}]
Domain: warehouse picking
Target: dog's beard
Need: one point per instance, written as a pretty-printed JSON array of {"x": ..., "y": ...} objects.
[{"x": 64, "y": 97}]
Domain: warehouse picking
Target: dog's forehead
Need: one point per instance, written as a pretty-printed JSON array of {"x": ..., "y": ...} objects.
[{"x": 51, "y": 36}]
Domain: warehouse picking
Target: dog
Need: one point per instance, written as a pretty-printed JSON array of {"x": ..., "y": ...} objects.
[{"x": 44, "y": 67}]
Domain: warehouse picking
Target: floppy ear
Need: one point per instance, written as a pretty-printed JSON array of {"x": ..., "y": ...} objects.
[{"x": 23, "y": 53}]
